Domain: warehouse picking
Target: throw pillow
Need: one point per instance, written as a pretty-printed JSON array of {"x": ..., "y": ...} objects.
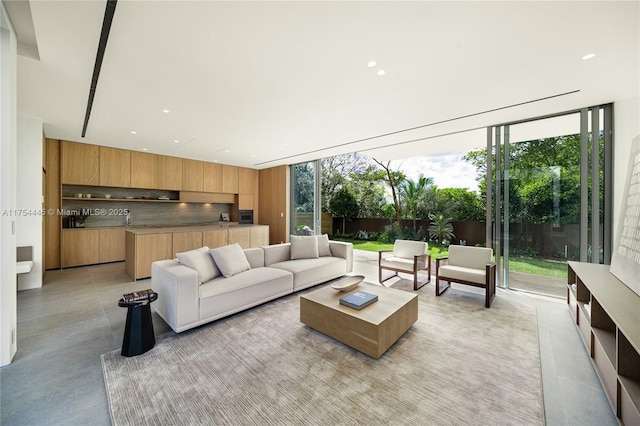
[
  {"x": 304, "y": 247},
  {"x": 200, "y": 260},
  {"x": 230, "y": 259},
  {"x": 323, "y": 245}
]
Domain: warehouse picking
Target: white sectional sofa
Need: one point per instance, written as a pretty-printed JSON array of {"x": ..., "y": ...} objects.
[{"x": 204, "y": 285}]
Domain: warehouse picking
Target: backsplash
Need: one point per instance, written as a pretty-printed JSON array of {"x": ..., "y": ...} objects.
[{"x": 113, "y": 212}]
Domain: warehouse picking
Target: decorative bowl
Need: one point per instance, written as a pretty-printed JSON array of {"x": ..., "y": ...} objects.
[{"x": 348, "y": 283}]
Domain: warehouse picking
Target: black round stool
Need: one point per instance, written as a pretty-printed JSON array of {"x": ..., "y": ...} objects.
[{"x": 138, "y": 331}]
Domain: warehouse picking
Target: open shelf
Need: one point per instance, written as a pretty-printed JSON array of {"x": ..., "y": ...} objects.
[
  {"x": 613, "y": 327},
  {"x": 124, "y": 199}
]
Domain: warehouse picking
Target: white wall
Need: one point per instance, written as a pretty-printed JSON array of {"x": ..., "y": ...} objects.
[
  {"x": 29, "y": 222},
  {"x": 8, "y": 120},
  {"x": 626, "y": 127}
]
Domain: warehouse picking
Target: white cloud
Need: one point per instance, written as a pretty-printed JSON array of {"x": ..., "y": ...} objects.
[{"x": 448, "y": 170}]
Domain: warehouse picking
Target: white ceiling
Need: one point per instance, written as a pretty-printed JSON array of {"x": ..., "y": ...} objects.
[{"x": 284, "y": 82}]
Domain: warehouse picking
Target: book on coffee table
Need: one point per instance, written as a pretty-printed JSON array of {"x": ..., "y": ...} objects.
[{"x": 358, "y": 300}]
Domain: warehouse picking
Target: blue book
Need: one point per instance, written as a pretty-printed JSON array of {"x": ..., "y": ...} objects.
[{"x": 358, "y": 300}]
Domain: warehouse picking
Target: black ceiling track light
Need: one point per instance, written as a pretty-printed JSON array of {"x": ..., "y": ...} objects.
[{"x": 110, "y": 10}]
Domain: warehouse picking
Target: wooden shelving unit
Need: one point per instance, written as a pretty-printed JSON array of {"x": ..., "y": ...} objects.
[{"x": 607, "y": 314}]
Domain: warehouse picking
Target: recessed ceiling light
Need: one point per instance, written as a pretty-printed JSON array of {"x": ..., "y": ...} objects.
[
  {"x": 166, "y": 111},
  {"x": 215, "y": 161},
  {"x": 286, "y": 143},
  {"x": 588, "y": 56},
  {"x": 371, "y": 64},
  {"x": 176, "y": 141},
  {"x": 144, "y": 149},
  {"x": 133, "y": 132},
  {"x": 253, "y": 156},
  {"x": 227, "y": 150},
  {"x": 381, "y": 72}
]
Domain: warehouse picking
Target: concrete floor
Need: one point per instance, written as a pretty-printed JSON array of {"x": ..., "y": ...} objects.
[{"x": 63, "y": 328}]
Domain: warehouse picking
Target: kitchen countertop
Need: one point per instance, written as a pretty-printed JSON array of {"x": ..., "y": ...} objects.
[{"x": 146, "y": 230}]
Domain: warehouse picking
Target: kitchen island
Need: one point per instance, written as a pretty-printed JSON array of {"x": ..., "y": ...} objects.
[{"x": 145, "y": 245}]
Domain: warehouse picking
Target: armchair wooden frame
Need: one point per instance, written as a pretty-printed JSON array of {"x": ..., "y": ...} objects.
[
  {"x": 426, "y": 258},
  {"x": 489, "y": 284}
]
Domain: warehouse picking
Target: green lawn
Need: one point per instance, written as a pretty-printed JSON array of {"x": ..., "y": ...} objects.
[{"x": 528, "y": 265}]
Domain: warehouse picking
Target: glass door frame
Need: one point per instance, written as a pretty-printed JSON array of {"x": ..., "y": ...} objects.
[
  {"x": 497, "y": 218},
  {"x": 316, "y": 197}
]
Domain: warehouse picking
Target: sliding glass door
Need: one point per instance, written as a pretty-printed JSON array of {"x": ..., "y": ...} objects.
[
  {"x": 305, "y": 198},
  {"x": 553, "y": 197}
]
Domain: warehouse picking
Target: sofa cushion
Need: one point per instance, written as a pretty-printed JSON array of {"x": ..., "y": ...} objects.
[
  {"x": 477, "y": 276},
  {"x": 401, "y": 263},
  {"x": 201, "y": 261},
  {"x": 251, "y": 277},
  {"x": 323, "y": 245},
  {"x": 308, "y": 272},
  {"x": 230, "y": 259},
  {"x": 470, "y": 257},
  {"x": 408, "y": 249},
  {"x": 304, "y": 247}
]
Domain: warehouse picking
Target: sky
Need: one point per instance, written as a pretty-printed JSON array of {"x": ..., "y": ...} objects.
[{"x": 448, "y": 170}]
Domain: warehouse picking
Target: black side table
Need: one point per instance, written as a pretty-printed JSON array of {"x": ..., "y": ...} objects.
[{"x": 138, "y": 331}]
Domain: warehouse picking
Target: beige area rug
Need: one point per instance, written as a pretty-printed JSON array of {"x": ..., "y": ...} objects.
[{"x": 460, "y": 364}]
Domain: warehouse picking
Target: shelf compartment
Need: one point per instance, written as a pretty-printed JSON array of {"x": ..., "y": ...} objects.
[
  {"x": 605, "y": 365},
  {"x": 584, "y": 326},
  {"x": 629, "y": 401},
  {"x": 572, "y": 302}
]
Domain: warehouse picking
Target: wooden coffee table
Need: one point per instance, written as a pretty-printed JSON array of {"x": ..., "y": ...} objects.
[{"x": 371, "y": 330}]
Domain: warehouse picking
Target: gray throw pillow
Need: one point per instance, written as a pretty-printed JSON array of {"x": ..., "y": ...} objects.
[
  {"x": 230, "y": 259},
  {"x": 304, "y": 247},
  {"x": 323, "y": 245},
  {"x": 200, "y": 260}
]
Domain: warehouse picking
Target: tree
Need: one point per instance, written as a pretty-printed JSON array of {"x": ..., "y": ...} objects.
[
  {"x": 412, "y": 194},
  {"x": 303, "y": 186},
  {"x": 344, "y": 205},
  {"x": 337, "y": 171},
  {"x": 441, "y": 228},
  {"x": 466, "y": 204},
  {"x": 394, "y": 179}
]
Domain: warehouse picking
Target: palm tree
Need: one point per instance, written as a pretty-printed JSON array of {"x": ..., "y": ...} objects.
[
  {"x": 412, "y": 193},
  {"x": 441, "y": 228}
]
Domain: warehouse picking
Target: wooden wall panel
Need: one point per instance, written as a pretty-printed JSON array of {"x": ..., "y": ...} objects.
[
  {"x": 52, "y": 200},
  {"x": 273, "y": 202}
]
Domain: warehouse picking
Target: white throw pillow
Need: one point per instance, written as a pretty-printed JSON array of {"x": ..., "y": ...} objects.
[
  {"x": 304, "y": 247},
  {"x": 200, "y": 260},
  {"x": 230, "y": 259},
  {"x": 323, "y": 245}
]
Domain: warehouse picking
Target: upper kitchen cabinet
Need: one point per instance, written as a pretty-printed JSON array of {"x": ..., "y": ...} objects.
[
  {"x": 192, "y": 175},
  {"x": 169, "y": 173},
  {"x": 229, "y": 179},
  {"x": 115, "y": 167},
  {"x": 212, "y": 177},
  {"x": 144, "y": 170},
  {"x": 247, "y": 181},
  {"x": 80, "y": 164}
]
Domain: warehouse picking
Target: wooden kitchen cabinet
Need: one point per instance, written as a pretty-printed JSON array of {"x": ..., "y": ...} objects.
[
  {"x": 80, "y": 247},
  {"x": 259, "y": 235},
  {"x": 240, "y": 235},
  {"x": 185, "y": 241},
  {"x": 169, "y": 173},
  {"x": 144, "y": 170},
  {"x": 80, "y": 164},
  {"x": 212, "y": 180},
  {"x": 248, "y": 182},
  {"x": 229, "y": 179},
  {"x": 215, "y": 238},
  {"x": 192, "y": 175},
  {"x": 115, "y": 167},
  {"x": 245, "y": 201},
  {"x": 111, "y": 245},
  {"x": 144, "y": 249}
]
